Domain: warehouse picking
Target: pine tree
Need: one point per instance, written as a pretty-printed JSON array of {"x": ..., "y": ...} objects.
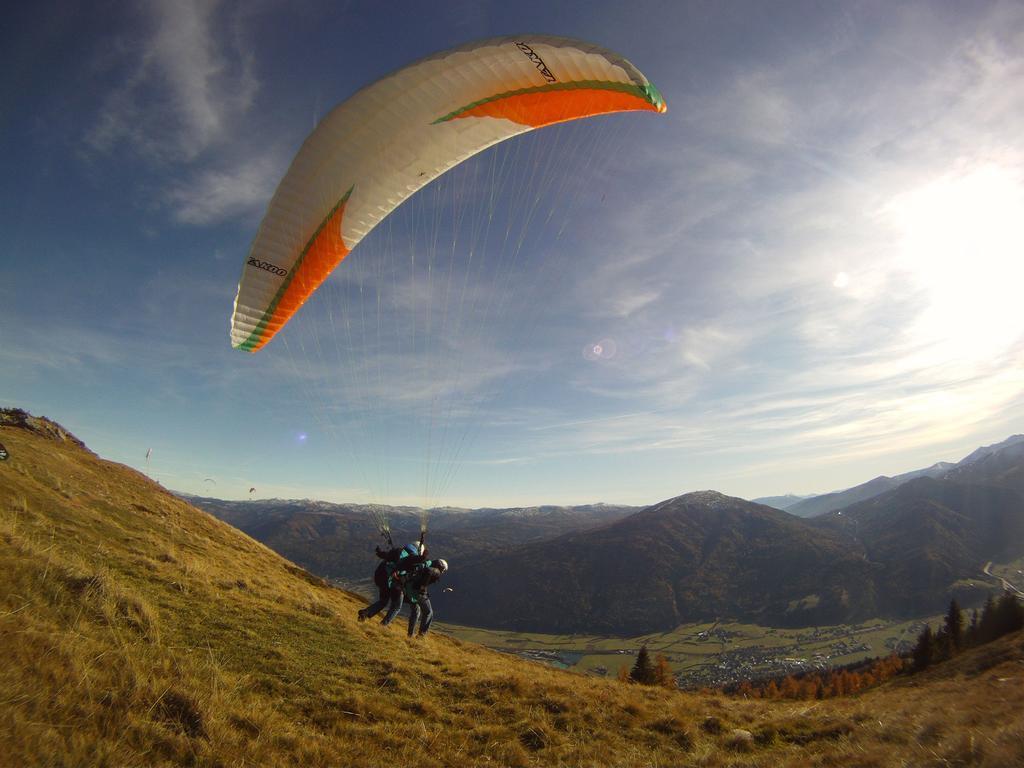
[
  {"x": 942, "y": 646},
  {"x": 955, "y": 626},
  {"x": 643, "y": 670},
  {"x": 925, "y": 649},
  {"x": 987, "y": 625},
  {"x": 1009, "y": 615},
  {"x": 972, "y": 628}
]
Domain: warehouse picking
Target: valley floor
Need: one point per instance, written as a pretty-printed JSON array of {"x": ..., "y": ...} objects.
[{"x": 709, "y": 654}]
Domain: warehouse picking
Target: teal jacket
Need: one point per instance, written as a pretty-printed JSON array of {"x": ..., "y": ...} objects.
[{"x": 417, "y": 582}]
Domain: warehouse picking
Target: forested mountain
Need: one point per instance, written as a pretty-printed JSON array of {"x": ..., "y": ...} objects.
[
  {"x": 706, "y": 556},
  {"x": 695, "y": 557},
  {"x": 930, "y": 538}
]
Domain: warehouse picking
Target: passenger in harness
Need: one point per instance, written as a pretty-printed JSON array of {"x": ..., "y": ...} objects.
[
  {"x": 388, "y": 576},
  {"x": 415, "y": 589}
]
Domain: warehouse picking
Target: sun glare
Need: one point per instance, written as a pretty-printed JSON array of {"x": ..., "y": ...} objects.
[{"x": 963, "y": 243}]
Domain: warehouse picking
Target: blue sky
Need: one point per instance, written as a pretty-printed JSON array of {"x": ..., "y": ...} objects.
[{"x": 806, "y": 274}]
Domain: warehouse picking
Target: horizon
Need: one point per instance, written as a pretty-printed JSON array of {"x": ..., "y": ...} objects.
[
  {"x": 754, "y": 499},
  {"x": 800, "y": 277}
]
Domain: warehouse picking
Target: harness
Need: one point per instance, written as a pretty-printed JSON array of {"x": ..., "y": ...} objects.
[
  {"x": 413, "y": 594},
  {"x": 396, "y": 571}
]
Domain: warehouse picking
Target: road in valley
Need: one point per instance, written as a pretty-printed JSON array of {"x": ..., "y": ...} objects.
[{"x": 1009, "y": 587}]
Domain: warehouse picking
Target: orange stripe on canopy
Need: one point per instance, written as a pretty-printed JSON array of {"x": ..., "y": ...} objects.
[
  {"x": 322, "y": 255},
  {"x": 547, "y": 107}
]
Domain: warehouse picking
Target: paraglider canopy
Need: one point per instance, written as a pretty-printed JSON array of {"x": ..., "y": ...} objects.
[
  {"x": 391, "y": 138},
  {"x": 403, "y": 324}
]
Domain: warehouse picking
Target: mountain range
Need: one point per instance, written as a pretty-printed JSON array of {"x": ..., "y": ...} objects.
[
  {"x": 929, "y": 540},
  {"x": 830, "y": 502},
  {"x": 704, "y": 556},
  {"x": 782, "y": 502},
  {"x": 698, "y": 557},
  {"x": 898, "y": 547},
  {"x": 336, "y": 540}
]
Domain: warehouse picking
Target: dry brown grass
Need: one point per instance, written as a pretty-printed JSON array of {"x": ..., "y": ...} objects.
[{"x": 137, "y": 630}]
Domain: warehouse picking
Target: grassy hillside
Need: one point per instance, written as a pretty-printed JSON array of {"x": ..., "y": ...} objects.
[{"x": 138, "y": 630}]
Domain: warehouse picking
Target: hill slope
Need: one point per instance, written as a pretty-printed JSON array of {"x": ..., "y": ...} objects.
[{"x": 138, "y": 630}]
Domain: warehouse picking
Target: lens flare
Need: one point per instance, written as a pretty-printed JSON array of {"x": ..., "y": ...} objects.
[{"x": 604, "y": 349}]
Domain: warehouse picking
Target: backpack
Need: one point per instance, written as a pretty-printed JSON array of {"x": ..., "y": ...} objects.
[{"x": 396, "y": 569}]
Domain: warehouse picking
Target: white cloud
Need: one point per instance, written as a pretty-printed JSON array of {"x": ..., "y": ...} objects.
[
  {"x": 625, "y": 304},
  {"x": 188, "y": 56},
  {"x": 767, "y": 355},
  {"x": 758, "y": 109},
  {"x": 716, "y": 277},
  {"x": 214, "y": 195},
  {"x": 191, "y": 80},
  {"x": 183, "y": 107}
]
